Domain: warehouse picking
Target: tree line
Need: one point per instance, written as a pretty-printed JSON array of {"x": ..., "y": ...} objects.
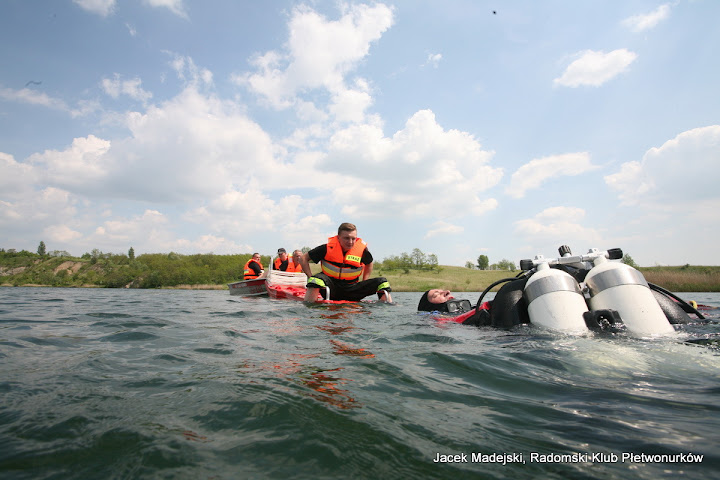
[
  {"x": 416, "y": 260},
  {"x": 153, "y": 270},
  {"x": 97, "y": 268},
  {"x": 483, "y": 263}
]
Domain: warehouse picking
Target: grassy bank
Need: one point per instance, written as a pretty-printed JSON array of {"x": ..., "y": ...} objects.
[
  {"x": 455, "y": 279},
  {"x": 209, "y": 271},
  {"x": 687, "y": 278}
]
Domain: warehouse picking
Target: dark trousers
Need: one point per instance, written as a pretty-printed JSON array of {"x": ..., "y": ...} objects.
[{"x": 354, "y": 292}]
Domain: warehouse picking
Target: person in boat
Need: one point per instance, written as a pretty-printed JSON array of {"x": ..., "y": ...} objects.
[
  {"x": 295, "y": 265},
  {"x": 253, "y": 268},
  {"x": 282, "y": 261},
  {"x": 451, "y": 309},
  {"x": 344, "y": 260}
]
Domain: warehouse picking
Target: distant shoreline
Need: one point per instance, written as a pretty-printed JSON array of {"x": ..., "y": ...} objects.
[
  {"x": 214, "y": 272},
  {"x": 459, "y": 279}
]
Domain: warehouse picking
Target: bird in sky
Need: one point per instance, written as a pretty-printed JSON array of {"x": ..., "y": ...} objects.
[{"x": 33, "y": 82}]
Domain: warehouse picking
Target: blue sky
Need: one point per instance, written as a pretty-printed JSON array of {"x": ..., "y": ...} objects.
[{"x": 462, "y": 127}]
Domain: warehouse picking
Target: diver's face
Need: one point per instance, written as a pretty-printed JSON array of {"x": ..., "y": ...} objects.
[{"x": 439, "y": 296}]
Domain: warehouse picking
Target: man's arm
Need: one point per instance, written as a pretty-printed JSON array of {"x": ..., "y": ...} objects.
[
  {"x": 367, "y": 270},
  {"x": 305, "y": 264}
]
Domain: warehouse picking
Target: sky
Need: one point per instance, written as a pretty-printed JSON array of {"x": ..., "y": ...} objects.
[{"x": 459, "y": 127}]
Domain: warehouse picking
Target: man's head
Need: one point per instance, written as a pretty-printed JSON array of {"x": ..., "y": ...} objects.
[
  {"x": 256, "y": 257},
  {"x": 296, "y": 256},
  {"x": 434, "y": 299},
  {"x": 347, "y": 234},
  {"x": 282, "y": 254}
]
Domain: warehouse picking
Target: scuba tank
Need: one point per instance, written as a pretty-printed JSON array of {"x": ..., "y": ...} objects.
[
  {"x": 617, "y": 286},
  {"x": 553, "y": 297}
]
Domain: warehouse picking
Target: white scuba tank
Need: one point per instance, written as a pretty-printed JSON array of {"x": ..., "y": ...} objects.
[
  {"x": 555, "y": 300},
  {"x": 620, "y": 287}
]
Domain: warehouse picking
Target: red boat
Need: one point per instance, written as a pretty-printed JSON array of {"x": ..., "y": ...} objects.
[
  {"x": 286, "y": 285},
  {"x": 291, "y": 286}
]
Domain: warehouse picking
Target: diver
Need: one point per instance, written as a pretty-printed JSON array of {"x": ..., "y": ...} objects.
[{"x": 460, "y": 311}]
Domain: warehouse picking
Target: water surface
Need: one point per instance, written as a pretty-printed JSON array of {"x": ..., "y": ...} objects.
[{"x": 99, "y": 383}]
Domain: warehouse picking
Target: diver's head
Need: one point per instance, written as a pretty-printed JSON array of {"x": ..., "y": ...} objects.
[{"x": 435, "y": 300}]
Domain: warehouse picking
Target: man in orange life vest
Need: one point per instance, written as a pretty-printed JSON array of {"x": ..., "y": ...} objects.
[
  {"x": 295, "y": 264},
  {"x": 253, "y": 267},
  {"x": 286, "y": 264},
  {"x": 282, "y": 261},
  {"x": 344, "y": 259}
]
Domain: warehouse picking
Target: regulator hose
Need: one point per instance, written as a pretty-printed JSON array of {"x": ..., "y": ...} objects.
[
  {"x": 686, "y": 306},
  {"x": 503, "y": 280}
]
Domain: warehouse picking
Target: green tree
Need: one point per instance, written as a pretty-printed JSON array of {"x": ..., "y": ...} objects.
[
  {"x": 483, "y": 262},
  {"x": 469, "y": 265},
  {"x": 432, "y": 261},
  {"x": 41, "y": 249},
  {"x": 628, "y": 260},
  {"x": 418, "y": 258},
  {"x": 131, "y": 253},
  {"x": 506, "y": 264}
]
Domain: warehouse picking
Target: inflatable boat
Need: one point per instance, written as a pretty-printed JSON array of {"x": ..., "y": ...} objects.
[
  {"x": 579, "y": 293},
  {"x": 291, "y": 286}
]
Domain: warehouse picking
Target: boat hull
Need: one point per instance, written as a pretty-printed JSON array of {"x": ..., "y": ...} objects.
[
  {"x": 254, "y": 287},
  {"x": 291, "y": 286}
]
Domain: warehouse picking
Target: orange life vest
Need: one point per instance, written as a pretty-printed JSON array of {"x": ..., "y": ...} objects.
[
  {"x": 278, "y": 262},
  {"x": 346, "y": 266},
  {"x": 249, "y": 273},
  {"x": 294, "y": 267}
]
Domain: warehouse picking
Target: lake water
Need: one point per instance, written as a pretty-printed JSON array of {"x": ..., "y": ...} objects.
[{"x": 98, "y": 384}]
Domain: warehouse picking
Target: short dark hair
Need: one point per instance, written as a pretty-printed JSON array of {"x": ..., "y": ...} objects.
[{"x": 346, "y": 227}]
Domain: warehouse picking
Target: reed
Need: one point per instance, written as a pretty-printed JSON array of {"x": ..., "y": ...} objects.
[{"x": 684, "y": 279}]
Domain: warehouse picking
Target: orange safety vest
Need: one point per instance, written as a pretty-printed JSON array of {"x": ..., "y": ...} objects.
[
  {"x": 294, "y": 267},
  {"x": 278, "y": 262},
  {"x": 347, "y": 267},
  {"x": 249, "y": 274}
]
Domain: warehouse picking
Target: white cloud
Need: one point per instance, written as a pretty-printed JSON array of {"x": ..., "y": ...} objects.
[
  {"x": 682, "y": 172},
  {"x": 556, "y": 226},
  {"x": 349, "y": 105},
  {"x": 319, "y": 53},
  {"x": 15, "y": 177},
  {"x": 61, "y": 234},
  {"x": 595, "y": 68},
  {"x": 421, "y": 170},
  {"x": 442, "y": 227},
  {"x": 32, "y": 211},
  {"x": 642, "y": 22},
  {"x": 175, "y": 6},
  {"x": 187, "y": 71},
  {"x": 189, "y": 147},
  {"x": 125, "y": 231},
  {"x": 84, "y": 164},
  {"x": 99, "y": 7},
  {"x": 34, "y": 97},
  {"x": 533, "y": 174},
  {"x": 132, "y": 88},
  {"x": 288, "y": 217},
  {"x": 433, "y": 60}
]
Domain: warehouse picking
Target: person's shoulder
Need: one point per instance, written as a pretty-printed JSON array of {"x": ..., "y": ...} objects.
[
  {"x": 367, "y": 257},
  {"x": 318, "y": 253}
]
